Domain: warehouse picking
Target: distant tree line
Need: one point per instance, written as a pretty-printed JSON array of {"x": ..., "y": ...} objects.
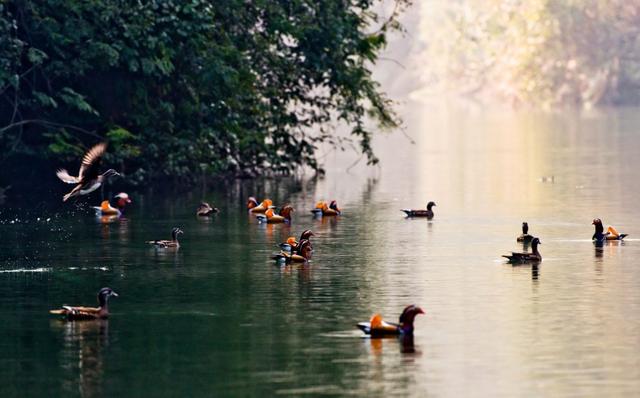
[
  {"x": 538, "y": 52},
  {"x": 184, "y": 88}
]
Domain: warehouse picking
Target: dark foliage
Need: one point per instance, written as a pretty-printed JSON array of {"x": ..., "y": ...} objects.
[{"x": 182, "y": 89}]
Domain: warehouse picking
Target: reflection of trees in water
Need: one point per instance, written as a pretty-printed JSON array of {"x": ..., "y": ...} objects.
[{"x": 83, "y": 355}]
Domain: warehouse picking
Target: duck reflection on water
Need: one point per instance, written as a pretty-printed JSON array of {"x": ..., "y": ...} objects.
[
  {"x": 405, "y": 343},
  {"x": 82, "y": 354}
]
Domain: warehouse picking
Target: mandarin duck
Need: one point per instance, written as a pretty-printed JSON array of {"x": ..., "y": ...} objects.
[
  {"x": 270, "y": 217},
  {"x": 89, "y": 179},
  {"x": 88, "y": 313},
  {"x": 205, "y": 210},
  {"x": 255, "y": 207},
  {"x": 291, "y": 244},
  {"x": 376, "y": 327},
  {"x": 301, "y": 255},
  {"x": 600, "y": 236},
  {"x": 428, "y": 213},
  {"x": 533, "y": 257},
  {"x": 105, "y": 208},
  {"x": 525, "y": 237},
  {"x": 173, "y": 243},
  {"x": 324, "y": 209}
]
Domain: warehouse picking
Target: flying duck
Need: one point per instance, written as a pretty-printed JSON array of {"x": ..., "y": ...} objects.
[
  {"x": 600, "y": 236},
  {"x": 525, "y": 237},
  {"x": 88, "y": 313},
  {"x": 421, "y": 213},
  {"x": 204, "y": 210},
  {"x": 532, "y": 257},
  {"x": 291, "y": 244},
  {"x": 88, "y": 179},
  {"x": 301, "y": 255},
  {"x": 376, "y": 327},
  {"x": 161, "y": 244},
  {"x": 270, "y": 217}
]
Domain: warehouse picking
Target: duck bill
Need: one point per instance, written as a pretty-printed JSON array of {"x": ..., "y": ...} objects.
[{"x": 114, "y": 294}]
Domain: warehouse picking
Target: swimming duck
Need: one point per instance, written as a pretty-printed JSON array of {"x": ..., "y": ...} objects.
[
  {"x": 88, "y": 179},
  {"x": 168, "y": 243},
  {"x": 324, "y": 209},
  {"x": 255, "y": 207},
  {"x": 88, "y": 313},
  {"x": 105, "y": 208},
  {"x": 599, "y": 236},
  {"x": 204, "y": 210},
  {"x": 291, "y": 244},
  {"x": 270, "y": 217},
  {"x": 421, "y": 213},
  {"x": 376, "y": 327},
  {"x": 301, "y": 255},
  {"x": 525, "y": 237},
  {"x": 532, "y": 257}
]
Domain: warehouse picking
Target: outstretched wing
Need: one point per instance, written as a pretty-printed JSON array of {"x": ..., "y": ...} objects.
[
  {"x": 91, "y": 162},
  {"x": 64, "y": 176}
]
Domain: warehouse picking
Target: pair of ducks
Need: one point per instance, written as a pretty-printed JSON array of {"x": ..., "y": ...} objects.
[
  {"x": 428, "y": 213},
  {"x": 265, "y": 211},
  {"x": 293, "y": 251},
  {"x": 376, "y": 327},
  {"x": 599, "y": 237}
]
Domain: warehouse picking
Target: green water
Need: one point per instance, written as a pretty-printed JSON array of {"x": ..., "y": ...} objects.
[{"x": 218, "y": 318}]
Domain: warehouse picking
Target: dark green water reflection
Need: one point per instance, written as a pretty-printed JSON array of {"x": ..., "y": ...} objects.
[{"x": 217, "y": 318}]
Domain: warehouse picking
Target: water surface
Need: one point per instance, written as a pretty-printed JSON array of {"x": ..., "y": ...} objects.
[{"x": 219, "y": 318}]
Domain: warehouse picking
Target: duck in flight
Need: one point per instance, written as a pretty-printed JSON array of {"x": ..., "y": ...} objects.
[{"x": 89, "y": 178}]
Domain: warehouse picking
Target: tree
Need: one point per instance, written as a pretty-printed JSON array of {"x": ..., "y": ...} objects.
[{"x": 185, "y": 88}]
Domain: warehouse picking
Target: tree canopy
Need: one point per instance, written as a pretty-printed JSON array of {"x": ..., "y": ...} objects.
[{"x": 188, "y": 88}]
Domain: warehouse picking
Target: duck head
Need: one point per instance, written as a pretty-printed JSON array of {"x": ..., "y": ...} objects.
[
  {"x": 286, "y": 212},
  {"x": 407, "y": 317},
  {"x": 430, "y": 205},
  {"x": 104, "y": 294},
  {"x": 306, "y": 234},
  {"x": 598, "y": 224},
  {"x": 525, "y": 228},
  {"x": 175, "y": 232},
  {"x": 122, "y": 199},
  {"x": 534, "y": 244},
  {"x": 252, "y": 202}
]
